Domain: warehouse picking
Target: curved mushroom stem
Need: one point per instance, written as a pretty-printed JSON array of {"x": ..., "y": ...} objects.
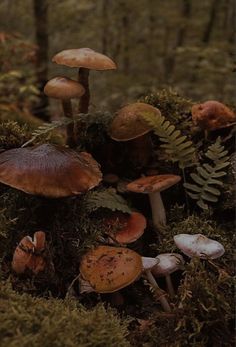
[
  {"x": 164, "y": 303},
  {"x": 67, "y": 109},
  {"x": 170, "y": 287},
  {"x": 83, "y": 78},
  {"x": 158, "y": 210}
]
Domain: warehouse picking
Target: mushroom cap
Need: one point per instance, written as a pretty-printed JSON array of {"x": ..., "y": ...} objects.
[
  {"x": 149, "y": 263},
  {"x": 212, "y": 115},
  {"x": 129, "y": 124},
  {"x": 199, "y": 245},
  {"x": 28, "y": 254},
  {"x": 63, "y": 88},
  {"x": 49, "y": 170},
  {"x": 168, "y": 263},
  {"x": 130, "y": 227},
  {"x": 108, "y": 269},
  {"x": 151, "y": 184},
  {"x": 84, "y": 57}
]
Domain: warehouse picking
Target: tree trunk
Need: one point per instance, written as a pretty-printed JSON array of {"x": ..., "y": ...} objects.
[{"x": 41, "y": 37}]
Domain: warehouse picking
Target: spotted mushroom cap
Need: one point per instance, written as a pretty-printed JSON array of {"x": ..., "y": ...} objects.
[
  {"x": 168, "y": 263},
  {"x": 129, "y": 227},
  {"x": 199, "y": 245},
  {"x": 212, "y": 115},
  {"x": 128, "y": 123},
  {"x": 63, "y": 88},
  {"x": 49, "y": 170},
  {"x": 84, "y": 57},
  {"x": 108, "y": 269},
  {"x": 151, "y": 184}
]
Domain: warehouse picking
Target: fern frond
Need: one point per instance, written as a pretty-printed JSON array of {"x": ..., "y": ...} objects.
[
  {"x": 177, "y": 146},
  {"x": 207, "y": 178},
  {"x": 105, "y": 199}
]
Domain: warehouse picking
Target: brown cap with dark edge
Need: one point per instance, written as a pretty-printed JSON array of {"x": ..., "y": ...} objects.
[
  {"x": 108, "y": 269},
  {"x": 151, "y": 184},
  {"x": 63, "y": 88},
  {"x": 49, "y": 170},
  {"x": 84, "y": 57},
  {"x": 129, "y": 124}
]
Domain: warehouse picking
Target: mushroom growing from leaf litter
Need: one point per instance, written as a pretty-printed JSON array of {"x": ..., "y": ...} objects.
[
  {"x": 65, "y": 89},
  {"x": 49, "y": 170},
  {"x": 199, "y": 245},
  {"x": 153, "y": 186}
]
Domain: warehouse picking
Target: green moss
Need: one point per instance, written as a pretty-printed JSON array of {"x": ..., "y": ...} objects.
[
  {"x": 31, "y": 322},
  {"x": 13, "y": 135}
]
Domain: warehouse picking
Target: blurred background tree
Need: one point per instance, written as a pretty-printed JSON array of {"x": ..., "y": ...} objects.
[{"x": 185, "y": 44}]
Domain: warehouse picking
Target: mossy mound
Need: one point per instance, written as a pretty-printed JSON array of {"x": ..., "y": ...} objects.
[{"x": 34, "y": 322}]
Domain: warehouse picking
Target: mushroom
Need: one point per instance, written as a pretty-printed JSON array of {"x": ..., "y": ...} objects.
[
  {"x": 129, "y": 125},
  {"x": 199, "y": 245},
  {"x": 65, "y": 89},
  {"x": 85, "y": 59},
  {"x": 153, "y": 185},
  {"x": 212, "y": 115},
  {"x": 49, "y": 170},
  {"x": 168, "y": 263},
  {"x": 125, "y": 228},
  {"x": 29, "y": 254}
]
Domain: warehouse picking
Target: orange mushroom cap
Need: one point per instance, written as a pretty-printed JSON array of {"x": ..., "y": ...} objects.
[
  {"x": 108, "y": 269},
  {"x": 130, "y": 227},
  {"x": 63, "y": 88},
  {"x": 152, "y": 184},
  {"x": 49, "y": 170},
  {"x": 129, "y": 124},
  {"x": 212, "y": 115},
  {"x": 84, "y": 57}
]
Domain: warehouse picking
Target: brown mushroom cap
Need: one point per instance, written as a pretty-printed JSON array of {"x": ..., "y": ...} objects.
[
  {"x": 49, "y": 170},
  {"x": 151, "y": 184},
  {"x": 212, "y": 115},
  {"x": 129, "y": 227},
  {"x": 63, "y": 88},
  {"x": 108, "y": 269},
  {"x": 84, "y": 57},
  {"x": 129, "y": 124}
]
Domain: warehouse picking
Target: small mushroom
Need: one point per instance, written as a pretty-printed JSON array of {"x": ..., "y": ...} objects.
[
  {"x": 199, "y": 245},
  {"x": 108, "y": 269},
  {"x": 49, "y": 170},
  {"x": 153, "y": 185},
  {"x": 125, "y": 228},
  {"x": 129, "y": 126},
  {"x": 29, "y": 254},
  {"x": 168, "y": 263},
  {"x": 65, "y": 89}
]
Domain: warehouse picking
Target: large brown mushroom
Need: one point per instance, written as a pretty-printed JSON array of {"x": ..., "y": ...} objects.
[
  {"x": 65, "y": 89},
  {"x": 129, "y": 125},
  {"x": 49, "y": 170}
]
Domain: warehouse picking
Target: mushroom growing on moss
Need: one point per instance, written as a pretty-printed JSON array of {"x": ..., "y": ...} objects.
[
  {"x": 65, "y": 89},
  {"x": 153, "y": 186},
  {"x": 29, "y": 254},
  {"x": 49, "y": 170}
]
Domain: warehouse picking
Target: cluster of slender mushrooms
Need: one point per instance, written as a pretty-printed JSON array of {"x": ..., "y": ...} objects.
[{"x": 55, "y": 171}]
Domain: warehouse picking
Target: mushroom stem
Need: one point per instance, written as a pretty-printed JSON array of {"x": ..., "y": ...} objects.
[
  {"x": 158, "y": 210},
  {"x": 67, "y": 109},
  {"x": 170, "y": 287},
  {"x": 140, "y": 150},
  {"x": 83, "y": 78},
  {"x": 161, "y": 297}
]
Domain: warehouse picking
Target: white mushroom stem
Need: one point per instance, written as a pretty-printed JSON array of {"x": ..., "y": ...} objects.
[
  {"x": 161, "y": 297},
  {"x": 170, "y": 287},
  {"x": 158, "y": 210}
]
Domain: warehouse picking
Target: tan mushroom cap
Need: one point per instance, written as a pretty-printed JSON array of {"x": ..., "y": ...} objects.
[
  {"x": 151, "y": 184},
  {"x": 108, "y": 269},
  {"x": 129, "y": 124},
  {"x": 63, "y": 88},
  {"x": 212, "y": 115},
  {"x": 49, "y": 170},
  {"x": 129, "y": 227},
  {"x": 84, "y": 57}
]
